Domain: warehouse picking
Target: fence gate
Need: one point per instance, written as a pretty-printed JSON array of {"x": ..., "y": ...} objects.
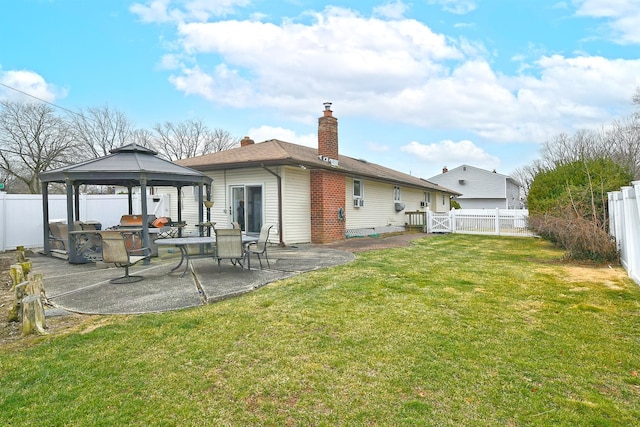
[{"x": 439, "y": 222}]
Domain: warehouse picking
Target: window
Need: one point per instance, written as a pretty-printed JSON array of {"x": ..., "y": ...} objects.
[
  {"x": 427, "y": 197},
  {"x": 443, "y": 200},
  {"x": 357, "y": 188},
  {"x": 397, "y": 196}
]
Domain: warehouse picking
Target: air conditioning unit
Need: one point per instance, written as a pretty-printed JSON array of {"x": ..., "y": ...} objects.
[
  {"x": 423, "y": 204},
  {"x": 358, "y": 202}
]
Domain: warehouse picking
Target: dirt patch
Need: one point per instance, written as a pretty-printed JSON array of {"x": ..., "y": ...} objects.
[
  {"x": 612, "y": 278},
  {"x": 10, "y": 333},
  {"x": 384, "y": 241}
]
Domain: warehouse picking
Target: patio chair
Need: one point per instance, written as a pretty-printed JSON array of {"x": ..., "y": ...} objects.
[
  {"x": 58, "y": 236},
  {"x": 115, "y": 251},
  {"x": 229, "y": 246},
  {"x": 260, "y": 247}
]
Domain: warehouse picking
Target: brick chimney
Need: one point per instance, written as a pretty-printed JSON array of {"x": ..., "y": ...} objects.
[
  {"x": 328, "y": 187},
  {"x": 328, "y": 134},
  {"x": 246, "y": 141}
]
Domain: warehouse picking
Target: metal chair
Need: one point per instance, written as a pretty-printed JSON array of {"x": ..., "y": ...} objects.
[
  {"x": 115, "y": 251},
  {"x": 260, "y": 247},
  {"x": 229, "y": 246}
]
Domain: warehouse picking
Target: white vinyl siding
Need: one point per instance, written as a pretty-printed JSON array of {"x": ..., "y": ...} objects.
[
  {"x": 379, "y": 208},
  {"x": 296, "y": 205},
  {"x": 220, "y": 195},
  {"x": 479, "y": 188}
]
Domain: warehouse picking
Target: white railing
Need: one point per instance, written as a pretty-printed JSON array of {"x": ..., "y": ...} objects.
[
  {"x": 21, "y": 222},
  {"x": 624, "y": 226},
  {"x": 501, "y": 222}
]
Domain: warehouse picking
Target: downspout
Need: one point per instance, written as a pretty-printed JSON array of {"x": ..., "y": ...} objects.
[{"x": 279, "y": 179}]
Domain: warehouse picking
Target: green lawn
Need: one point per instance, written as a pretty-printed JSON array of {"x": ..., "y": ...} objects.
[{"x": 454, "y": 330}]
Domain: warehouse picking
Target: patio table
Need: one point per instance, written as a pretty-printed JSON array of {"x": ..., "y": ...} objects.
[{"x": 182, "y": 244}]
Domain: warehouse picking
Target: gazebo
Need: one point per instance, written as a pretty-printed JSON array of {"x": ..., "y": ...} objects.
[{"x": 128, "y": 166}]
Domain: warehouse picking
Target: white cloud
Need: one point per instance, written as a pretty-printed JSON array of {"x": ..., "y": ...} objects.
[
  {"x": 159, "y": 11},
  {"x": 448, "y": 152},
  {"x": 264, "y": 133},
  {"x": 155, "y": 11},
  {"x": 623, "y": 17},
  {"x": 459, "y": 7},
  {"x": 396, "y": 70},
  {"x": 391, "y": 10},
  {"x": 29, "y": 82}
]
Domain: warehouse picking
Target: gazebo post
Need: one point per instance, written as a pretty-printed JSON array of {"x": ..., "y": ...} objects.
[
  {"x": 145, "y": 223},
  {"x": 208, "y": 191},
  {"x": 45, "y": 216},
  {"x": 200, "y": 209},
  {"x": 76, "y": 201},
  {"x": 130, "y": 198},
  {"x": 179, "y": 209},
  {"x": 71, "y": 250}
]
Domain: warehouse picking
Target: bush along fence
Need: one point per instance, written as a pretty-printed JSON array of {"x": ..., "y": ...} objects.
[
  {"x": 28, "y": 306},
  {"x": 501, "y": 222},
  {"x": 624, "y": 226}
]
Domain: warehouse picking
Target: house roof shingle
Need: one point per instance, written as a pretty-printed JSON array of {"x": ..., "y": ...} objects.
[{"x": 276, "y": 152}]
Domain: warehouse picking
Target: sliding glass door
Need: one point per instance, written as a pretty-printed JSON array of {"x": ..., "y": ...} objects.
[{"x": 247, "y": 207}]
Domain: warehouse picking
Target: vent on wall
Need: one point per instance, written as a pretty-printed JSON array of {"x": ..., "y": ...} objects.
[
  {"x": 358, "y": 202},
  {"x": 461, "y": 181}
]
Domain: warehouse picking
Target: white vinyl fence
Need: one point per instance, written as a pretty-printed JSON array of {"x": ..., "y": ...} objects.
[
  {"x": 500, "y": 222},
  {"x": 21, "y": 222},
  {"x": 624, "y": 226}
]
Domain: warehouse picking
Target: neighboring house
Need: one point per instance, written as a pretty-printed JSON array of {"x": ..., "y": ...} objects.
[
  {"x": 310, "y": 195},
  {"x": 480, "y": 188}
]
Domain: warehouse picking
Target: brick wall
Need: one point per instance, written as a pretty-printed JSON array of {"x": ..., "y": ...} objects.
[{"x": 328, "y": 190}]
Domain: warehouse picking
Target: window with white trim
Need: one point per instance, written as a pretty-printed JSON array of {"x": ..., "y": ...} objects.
[
  {"x": 397, "y": 195},
  {"x": 358, "y": 190}
]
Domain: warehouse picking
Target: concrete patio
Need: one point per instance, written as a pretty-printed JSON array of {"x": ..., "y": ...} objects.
[{"x": 85, "y": 288}]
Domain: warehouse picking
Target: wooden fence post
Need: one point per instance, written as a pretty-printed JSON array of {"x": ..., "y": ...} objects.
[
  {"x": 33, "y": 319},
  {"x": 19, "y": 292},
  {"x": 17, "y": 275}
]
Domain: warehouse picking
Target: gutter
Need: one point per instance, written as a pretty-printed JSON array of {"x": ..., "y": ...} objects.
[{"x": 279, "y": 179}]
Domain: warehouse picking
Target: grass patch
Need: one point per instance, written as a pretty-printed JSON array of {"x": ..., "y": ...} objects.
[{"x": 453, "y": 330}]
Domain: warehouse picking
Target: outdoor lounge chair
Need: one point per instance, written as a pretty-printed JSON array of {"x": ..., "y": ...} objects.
[
  {"x": 260, "y": 247},
  {"x": 58, "y": 234},
  {"x": 229, "y": 246},
  {"x": 114, "y": 250}
]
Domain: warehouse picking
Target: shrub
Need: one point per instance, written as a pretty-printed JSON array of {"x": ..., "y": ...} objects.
[
  {"x": 583, "y": 239},
  {"x": 568, "y": 206}
]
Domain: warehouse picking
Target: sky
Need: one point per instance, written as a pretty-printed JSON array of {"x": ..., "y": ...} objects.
[{"x": 415, "y": 85}]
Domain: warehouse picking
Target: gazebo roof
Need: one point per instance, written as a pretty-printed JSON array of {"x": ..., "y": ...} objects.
[{"x": 127, "y": 166}]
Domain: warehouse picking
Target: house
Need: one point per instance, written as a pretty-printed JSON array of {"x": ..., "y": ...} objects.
[
  {"x": 310, "y": 195},
  {"x": 480, "y": 188}
]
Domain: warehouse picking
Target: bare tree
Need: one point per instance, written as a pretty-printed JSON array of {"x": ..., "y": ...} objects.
[
  {"x": 222, "y": 140},
  {"x": 526, "y": 174},
  {"x": 623, "y": 141},
  {"x": 143, "y": 137},
  {"x": 32, "y": 140},
  {"x": 190, "y": 138},
  {"x": 99, "y": 130}
]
